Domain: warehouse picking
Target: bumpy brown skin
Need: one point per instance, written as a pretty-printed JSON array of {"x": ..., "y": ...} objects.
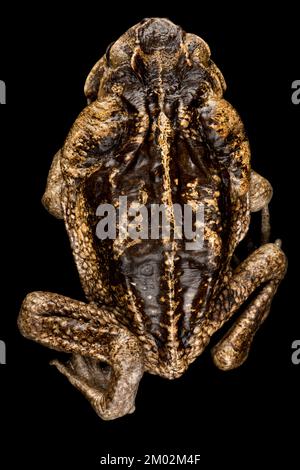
[{"x": 156, "y": 129}]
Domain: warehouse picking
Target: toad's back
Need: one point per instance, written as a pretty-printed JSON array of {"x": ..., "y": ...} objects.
[{"x": 164, "y": 287}]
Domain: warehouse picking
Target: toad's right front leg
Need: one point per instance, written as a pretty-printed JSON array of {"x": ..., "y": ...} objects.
[{"x": 107, "y": 361}]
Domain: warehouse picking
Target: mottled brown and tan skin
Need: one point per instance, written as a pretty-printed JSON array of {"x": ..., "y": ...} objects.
[{"x": 156, "y": 129}]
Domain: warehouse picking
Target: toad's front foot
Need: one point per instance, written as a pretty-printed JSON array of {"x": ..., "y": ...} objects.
[{"x": 106, "y": 363}]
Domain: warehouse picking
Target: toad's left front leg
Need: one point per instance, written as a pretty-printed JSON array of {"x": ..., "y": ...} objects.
[{"x": 260, "y": 274}]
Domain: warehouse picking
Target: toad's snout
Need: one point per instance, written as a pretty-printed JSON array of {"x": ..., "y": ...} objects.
[{"x": 159, "y": 33}]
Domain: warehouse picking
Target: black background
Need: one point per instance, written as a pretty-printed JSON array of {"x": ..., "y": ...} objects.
[{"x": 250, "y": 415}]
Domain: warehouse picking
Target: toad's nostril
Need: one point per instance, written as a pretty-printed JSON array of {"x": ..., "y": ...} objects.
[{"x": 159, "y": 33}]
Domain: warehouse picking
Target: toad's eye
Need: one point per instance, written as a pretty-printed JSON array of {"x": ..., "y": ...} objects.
[{"x": 146, "y": 270}]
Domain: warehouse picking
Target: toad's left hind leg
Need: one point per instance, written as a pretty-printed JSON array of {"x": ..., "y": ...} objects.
[
  {"x": 259, "y": 274},
  {"x": 94, "y": 338}
]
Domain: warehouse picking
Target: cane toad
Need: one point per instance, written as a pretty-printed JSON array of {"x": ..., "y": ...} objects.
[{"x": 157, "y": 130}]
